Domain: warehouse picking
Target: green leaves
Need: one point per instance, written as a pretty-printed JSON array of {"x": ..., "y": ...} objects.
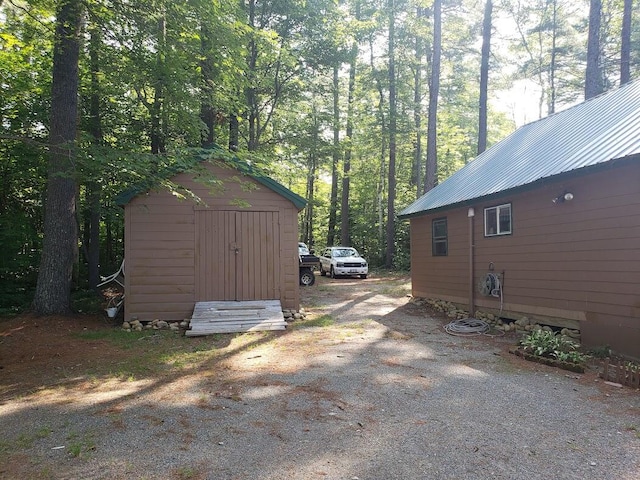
[{"x": 544, "y": 343}]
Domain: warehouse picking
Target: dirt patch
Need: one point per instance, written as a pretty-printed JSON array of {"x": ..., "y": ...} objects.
[{"x": 40, "y": 352}]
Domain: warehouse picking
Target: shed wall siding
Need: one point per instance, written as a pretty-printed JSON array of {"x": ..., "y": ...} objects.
[
  {"x": 577, "y": 260},
  {"x": 161, "y": 243}
]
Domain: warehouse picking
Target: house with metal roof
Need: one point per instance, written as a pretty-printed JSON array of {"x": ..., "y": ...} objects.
[{"x": 545, "y": 225}]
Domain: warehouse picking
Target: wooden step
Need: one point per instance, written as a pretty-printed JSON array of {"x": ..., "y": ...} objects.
[{"x": 230, "y": 317}]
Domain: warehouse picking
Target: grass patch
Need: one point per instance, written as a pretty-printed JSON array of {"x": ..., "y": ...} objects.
[
  {"x": 25, "y": 440},
  {"x": 633, "y": 428},
  {"x": 79, "y": 446},
  {"x": 400, "y": 290},
  {"x": 122, "y": 339},
  {"x": 321, "y": 321}
]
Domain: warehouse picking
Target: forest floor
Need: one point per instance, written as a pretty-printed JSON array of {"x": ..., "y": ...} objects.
[{"x": 368, "y": 387}]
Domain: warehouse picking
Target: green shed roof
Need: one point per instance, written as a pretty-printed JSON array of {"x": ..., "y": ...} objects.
[{"x": 205, "y": 154}]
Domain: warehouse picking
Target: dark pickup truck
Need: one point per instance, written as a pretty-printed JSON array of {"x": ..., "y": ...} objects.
[{"x": 308, "y": 262}]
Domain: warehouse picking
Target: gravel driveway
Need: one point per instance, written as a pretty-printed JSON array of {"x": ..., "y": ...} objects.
[{"x": 383, "y": 393}]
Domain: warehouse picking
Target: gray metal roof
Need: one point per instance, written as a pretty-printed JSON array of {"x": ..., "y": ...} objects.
[{"x": 593, "y": 132}]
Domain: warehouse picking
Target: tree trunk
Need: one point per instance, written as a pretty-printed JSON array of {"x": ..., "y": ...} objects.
[
  {"x": 345, "y": 229},
  {"x": 311, "y": 178},
  {"x": 416, "y": 172},
  {"x": 625, "y": 49},
  {"x": 391, "y": 195},
  {"x": 93, "y": 187},
  {"x": 552, "y": 65},
  {"x": 484, "y": 77},
  {"x": 434, "y": 89},
  {"x": 53, "y": 289},
  {"x": 335, "y": 158},
  {"x": 251, "y": 92},
  {"x": 593, "y": 78},
  {"x": 158, "y": 126},
  {"x": 207, "y": 112},
  {"x": 234, "y": 132}
]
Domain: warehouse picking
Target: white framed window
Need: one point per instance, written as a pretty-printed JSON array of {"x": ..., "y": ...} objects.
[
  {"x": 439, "y": 238},
  {"x": 497, "y": 220}
]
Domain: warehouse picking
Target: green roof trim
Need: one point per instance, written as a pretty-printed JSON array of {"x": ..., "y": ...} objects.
[{"x": 206, "y": 154}]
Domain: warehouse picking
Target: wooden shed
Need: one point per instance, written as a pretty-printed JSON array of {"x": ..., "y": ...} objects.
[
  {"x": 545, "y": 224},
  {"x": 239, "y": 242}
]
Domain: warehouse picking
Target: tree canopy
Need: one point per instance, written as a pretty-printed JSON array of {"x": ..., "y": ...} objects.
[{"x": 341, "y": 101}]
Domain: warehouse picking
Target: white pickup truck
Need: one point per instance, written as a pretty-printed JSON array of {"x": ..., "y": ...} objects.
[{"x": 342, "y": 261}]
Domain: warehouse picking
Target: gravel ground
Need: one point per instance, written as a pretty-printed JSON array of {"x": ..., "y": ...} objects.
[{"x": 383, "y": 393}]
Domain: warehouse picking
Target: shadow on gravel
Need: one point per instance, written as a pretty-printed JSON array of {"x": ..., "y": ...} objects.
[{"x": 383, "y": 393}]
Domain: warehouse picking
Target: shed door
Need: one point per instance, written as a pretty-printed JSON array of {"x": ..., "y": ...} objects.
[{"x": 237, "y": 255}]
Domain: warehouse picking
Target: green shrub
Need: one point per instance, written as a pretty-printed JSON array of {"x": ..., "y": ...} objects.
[{"x": 544, "y": 343}]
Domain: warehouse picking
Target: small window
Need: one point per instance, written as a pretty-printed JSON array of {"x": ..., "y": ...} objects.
[
  {"x": 497, "y": 220},
  {"x": 439, "y": 237}
]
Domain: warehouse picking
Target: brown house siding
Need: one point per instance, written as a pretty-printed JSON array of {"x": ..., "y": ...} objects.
[
  {"x": 165, "y": 238},
  {"x": 575, "y": 263}
]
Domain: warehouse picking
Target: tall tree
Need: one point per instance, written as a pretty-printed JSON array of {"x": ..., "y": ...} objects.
[
  {"x": 93, "y": 189},
  {"x": 484, "y": 77},
  {"x": 59, "y": 251},
  {"x": 391, "y": 193},
  {"x": 345, "y": 229},
  {"x": 625, "y": 48},
  {"x": 430, "y": 179},
  {"x": 419, "y": 53},
  {"x": 335, "y": 158},
  {"x": 593, "y": 84}
]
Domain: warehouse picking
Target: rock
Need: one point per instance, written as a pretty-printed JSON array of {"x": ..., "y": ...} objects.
[
  {"x": 162, "y": 324},
  {"x": 297, "y": 316},
  {"x": 126, "y": 325},
  {"x": 184, "y": 324}
]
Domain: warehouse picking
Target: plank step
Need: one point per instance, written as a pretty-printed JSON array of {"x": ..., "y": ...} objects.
[{"x": 230, "y": 317}]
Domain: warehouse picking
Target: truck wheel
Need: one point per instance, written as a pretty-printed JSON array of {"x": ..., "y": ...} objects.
[
  {"x": 363, "y": 276},
  {"x": 307, "y": 278},
  {"x": 322, "y": 272},
  {"x": 332, "y": 273}
]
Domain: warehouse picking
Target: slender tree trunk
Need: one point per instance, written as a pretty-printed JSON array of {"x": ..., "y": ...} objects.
[
  {"x": 552, "y": 64},
  {"x": 158, "y": 145},
  {"x": 391, "y": 196},
  {"x": 234, "y": 132},
  {"x": 251, "y": 93},
  {"x": 625, "y": 49},
  {"x": 345, "y": 217},
  {"x": 383, "y": 151},
  {"x": 311, "y": 177},
  {"x": 93, "y": 188},
  {"x": 416, "y": 172},
  {"x": 335, "y": 159},
  {"x": 53, "y": 289},
  {"x": 207, "y": 112},
  {"x": 593, "y": 78},
  {"x": 434, "y": 90},
  {"x": 484, "y": 77}
]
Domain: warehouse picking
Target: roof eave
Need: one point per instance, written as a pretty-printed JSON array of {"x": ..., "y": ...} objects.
[{"x": 612, "y": 163}]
